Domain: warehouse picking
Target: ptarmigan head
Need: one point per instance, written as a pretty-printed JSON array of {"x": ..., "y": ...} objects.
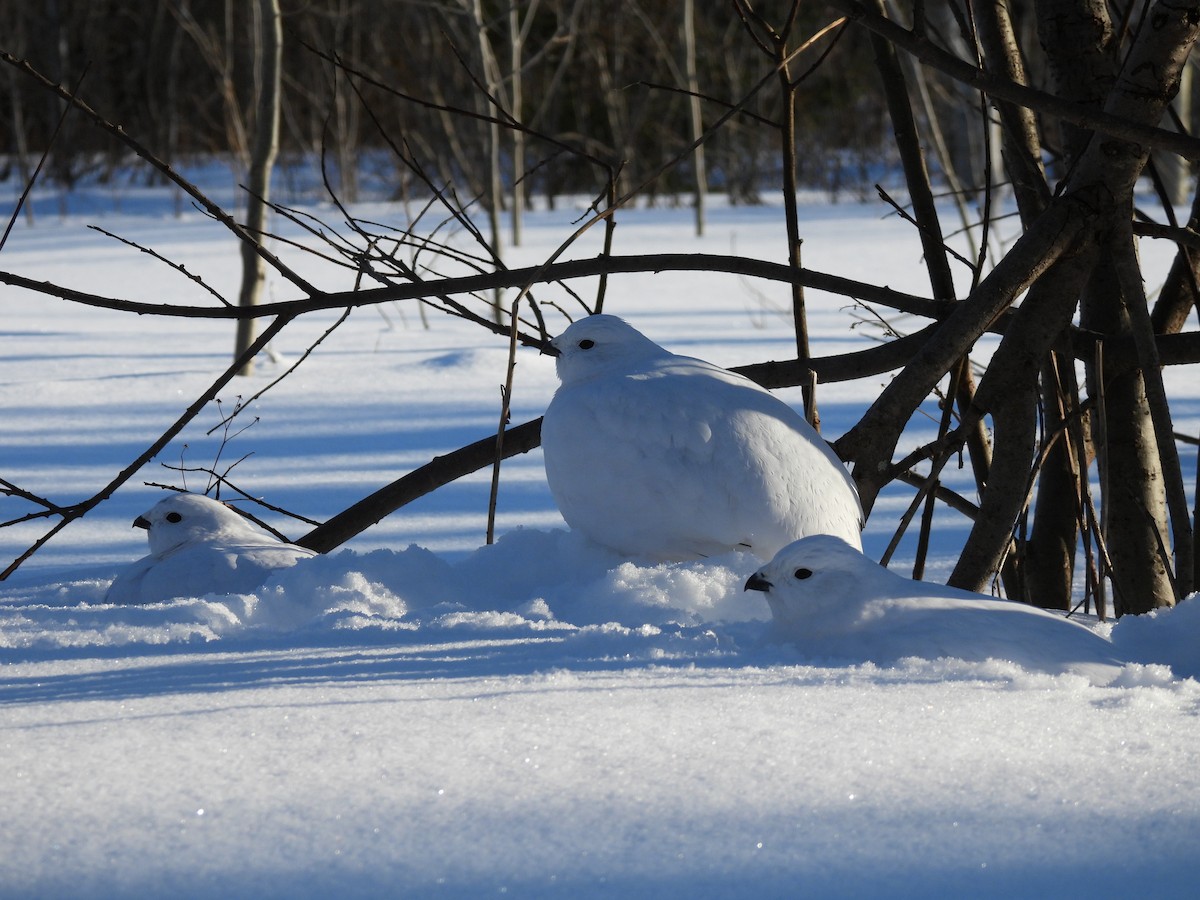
[
  {"x": 601, "y": 345},
  {"x": 817, "y": 575},
  {"x": 191, "y": 518}
]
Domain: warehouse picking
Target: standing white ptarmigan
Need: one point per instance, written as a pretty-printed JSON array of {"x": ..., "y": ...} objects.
[
  {"x": 833, "y": 603},
  {"x": 668, "y": 457},
  {"x": 200, "y": 546}
]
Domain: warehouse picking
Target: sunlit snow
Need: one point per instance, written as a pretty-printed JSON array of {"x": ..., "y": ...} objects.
[{"x": 418, "y": 714}]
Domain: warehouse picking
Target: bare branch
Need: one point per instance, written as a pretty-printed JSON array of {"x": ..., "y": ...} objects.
[
  {"x": 486, "y": 281},
  {"x": 71, "y": 513},
  {"x": 178, "y": 267},
  {"x": 1107, "y": 123},
  {"x": 190, "y": 189}
]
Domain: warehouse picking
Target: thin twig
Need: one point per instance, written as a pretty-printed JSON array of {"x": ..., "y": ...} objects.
[
  {"x": 71, "y": 513},
  {"x": 28, "y": 189},
  {"x": 178, "y": 267},
  {"x": 190, "y": 189}
]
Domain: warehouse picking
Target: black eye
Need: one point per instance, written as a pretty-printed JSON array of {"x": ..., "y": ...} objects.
[
  {"x": 803, "y": 573},
  {"x": 174, "y": 517},
  {"x": 586, "y": 344}
]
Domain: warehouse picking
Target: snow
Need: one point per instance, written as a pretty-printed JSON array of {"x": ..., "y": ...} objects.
[{"x": 421, "y": 715}]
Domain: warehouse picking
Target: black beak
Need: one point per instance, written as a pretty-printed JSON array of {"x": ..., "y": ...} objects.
[
  {"x": 757, "y": 583},
  {"x": 548, "y": 349},
  {"x": 141, "y": 522}
]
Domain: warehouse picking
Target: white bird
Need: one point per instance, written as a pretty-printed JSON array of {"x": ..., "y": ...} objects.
[
  {"x": 667, "y": 457},
  {"x": 200, "y": 546},
  {"x": 834, "y": 603}
]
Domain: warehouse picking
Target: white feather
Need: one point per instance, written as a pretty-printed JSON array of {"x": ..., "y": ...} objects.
[
  {"x": 835, "y": 604},
  {"x": 667, "y": 457},
  {"x": 199, "y": 546}
]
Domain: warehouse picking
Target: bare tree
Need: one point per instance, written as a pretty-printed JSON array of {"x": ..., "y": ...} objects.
[
  {"x": 695, "y": 112},
  {"x": 1088, "y": 223},
  {"x": 269, "y": 77}
]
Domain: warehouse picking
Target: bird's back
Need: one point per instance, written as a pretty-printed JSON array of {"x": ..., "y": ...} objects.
[
  {"x": 678, "y": 458},
  {"x": 203, "y": 568}
]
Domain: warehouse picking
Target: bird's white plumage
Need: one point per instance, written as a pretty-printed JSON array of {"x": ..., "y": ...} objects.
[
  {"x": 200, "y": 546},
  {"x": 669, "y": 457},
  {"x": 834, "y": 603}
]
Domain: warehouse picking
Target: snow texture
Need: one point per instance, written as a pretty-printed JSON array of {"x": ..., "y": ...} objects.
[{"x": 417, "y": 714}]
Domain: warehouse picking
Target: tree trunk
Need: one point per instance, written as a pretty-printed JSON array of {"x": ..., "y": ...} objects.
[
  {"x": 1020, "y": 142},
  {"x": 516, "y": 36},
  {"x": 693, "y": 85},
  {"x": 21, "y": 145},
  {"x": 1009, "y": 393},
  {"x": 491, "y": 77},
  {"x": 1048, "y": 565},
  {"x": 1048, "y": 568},
  {"x": 1128, "y": 457},
  {"x": 269, "y": 60},
  {"x": 1099, "y": 192},
  {"x": 1078, "y": 37},
  {"x": 1055, "y": 255}
]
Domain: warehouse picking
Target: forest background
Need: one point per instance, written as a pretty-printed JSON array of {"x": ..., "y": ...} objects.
[{"x": 606, "y": 78}]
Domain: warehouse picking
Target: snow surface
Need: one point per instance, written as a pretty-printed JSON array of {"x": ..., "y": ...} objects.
[{"x": 420, "y": 715}]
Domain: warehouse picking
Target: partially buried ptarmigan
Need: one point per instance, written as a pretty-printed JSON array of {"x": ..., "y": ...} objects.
[
  {"x": 835, "y": 604},
  {"x": 667, "y": 457},
  {"x": 200, "y": 546}
]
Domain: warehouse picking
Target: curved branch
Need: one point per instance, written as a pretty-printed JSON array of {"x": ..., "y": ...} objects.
[
  {"x": 439, "y": 471},
  {"x": 507, "y": 278},
  {"x": 71, "y": 513},
  {"x": 443, "y": 470},
  {"x": 871, "y": 442}
]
